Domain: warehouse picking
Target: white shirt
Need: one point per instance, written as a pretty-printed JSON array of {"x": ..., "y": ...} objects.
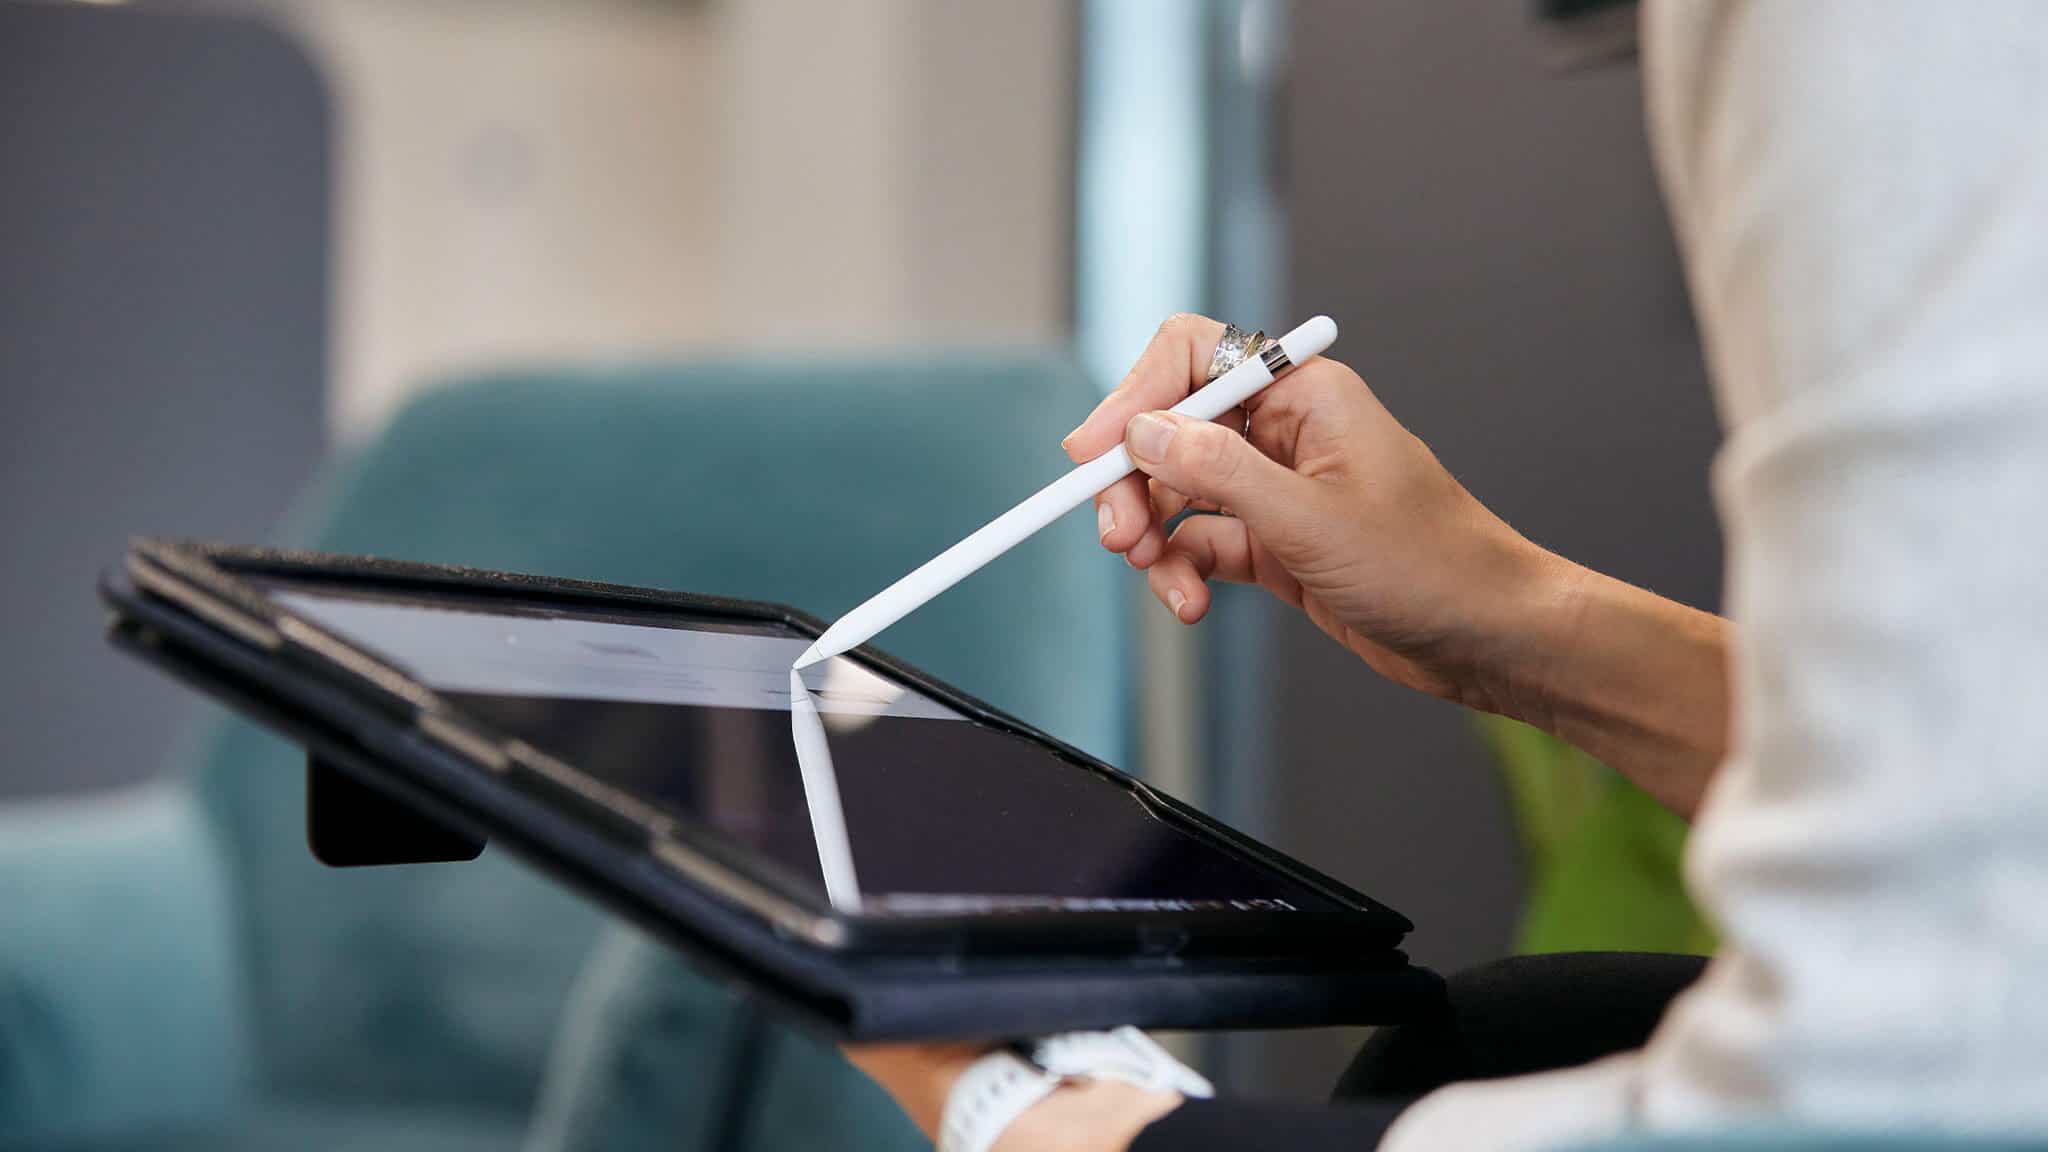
[{"x": 1861, "y": 194}]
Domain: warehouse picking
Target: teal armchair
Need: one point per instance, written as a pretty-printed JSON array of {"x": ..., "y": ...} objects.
[{"x": 290, "y": 1005}]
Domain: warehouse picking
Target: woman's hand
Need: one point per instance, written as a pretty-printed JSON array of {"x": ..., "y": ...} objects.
[
  {"x": 1334, "y": 507},
  {"x": 1337, "y": 509},
  {"x": 1092, "y": 1116}
]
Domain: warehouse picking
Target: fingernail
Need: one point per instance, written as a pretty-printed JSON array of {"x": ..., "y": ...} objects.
[
  {"x": 1148, "y": 434},
  {"x": 1105, "y": 520},
  {"x": 1176, "y": 600},
  {"x": 1069, "y": 437}
]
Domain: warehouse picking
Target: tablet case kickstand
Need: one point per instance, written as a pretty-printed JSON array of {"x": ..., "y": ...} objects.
[{"x": 350, "y": 824}]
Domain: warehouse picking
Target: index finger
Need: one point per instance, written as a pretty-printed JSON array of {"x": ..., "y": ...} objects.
[{"x": 1173, "y": 365}]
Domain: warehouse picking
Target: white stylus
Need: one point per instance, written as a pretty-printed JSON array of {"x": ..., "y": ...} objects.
[
  {"x": 1059, "y": 497},
  {"x": 821, "y": 796}
]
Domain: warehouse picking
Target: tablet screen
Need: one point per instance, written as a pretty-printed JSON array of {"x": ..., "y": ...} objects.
[{"x": 883, "y": 799}]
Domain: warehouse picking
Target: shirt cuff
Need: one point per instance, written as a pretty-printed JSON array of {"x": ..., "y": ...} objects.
[{"x": 1542, "y": 1111}]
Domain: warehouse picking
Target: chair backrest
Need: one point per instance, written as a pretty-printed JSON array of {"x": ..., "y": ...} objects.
[{"x": 809, "y": 483}]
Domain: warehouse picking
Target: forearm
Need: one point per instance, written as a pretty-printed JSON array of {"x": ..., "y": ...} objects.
[
  {"x": 1088, "y": 1116},
  {"x": 1636, "y": 680}
]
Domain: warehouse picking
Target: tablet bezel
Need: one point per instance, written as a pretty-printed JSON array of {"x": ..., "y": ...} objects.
[{"x": 207, "y": 583}]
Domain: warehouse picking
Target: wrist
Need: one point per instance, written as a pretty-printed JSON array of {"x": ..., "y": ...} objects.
[
  {"x": 1084, "y": 1091},
  {"x": 1098, "y": 1115},
  {"x": 1635, "y": 680},
  {"x": 1510, "y": 661}
]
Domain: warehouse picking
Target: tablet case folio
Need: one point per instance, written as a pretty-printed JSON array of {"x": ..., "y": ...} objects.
[{"x": 362, "y": 811}]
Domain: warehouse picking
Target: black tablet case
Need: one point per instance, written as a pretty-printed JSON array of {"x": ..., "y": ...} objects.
[{"x": 856, "y": 998}]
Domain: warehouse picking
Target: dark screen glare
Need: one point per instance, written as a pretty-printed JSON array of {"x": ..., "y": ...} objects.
[{"x": 911, "y": 807}]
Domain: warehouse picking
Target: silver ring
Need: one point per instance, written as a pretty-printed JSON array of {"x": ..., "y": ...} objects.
[{"x": 1231, "y": 351}]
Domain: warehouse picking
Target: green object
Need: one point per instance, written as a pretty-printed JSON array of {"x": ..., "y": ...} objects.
[
  {"x": 1601, "y": 856},
  {"x": 291, "y": 1005},
  {"x": 1603, "y": 861}
]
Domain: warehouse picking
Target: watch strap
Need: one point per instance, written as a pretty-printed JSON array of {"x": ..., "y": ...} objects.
[
  {"x": 1125, "y": 1054},
  {"x": 995, "y": 1089},
  {"x": 1002, "y": 1085}
]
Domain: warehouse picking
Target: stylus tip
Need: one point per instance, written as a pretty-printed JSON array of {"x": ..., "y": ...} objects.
[{"x": 811, "y": 656}]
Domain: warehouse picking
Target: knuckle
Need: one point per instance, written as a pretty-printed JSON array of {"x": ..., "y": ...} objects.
[
  {"x": 1183, "y": 331},
  {"x": 1333, "y": 380}
]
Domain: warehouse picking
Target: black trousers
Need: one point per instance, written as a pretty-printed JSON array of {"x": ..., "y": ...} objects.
[{"x": 1514, "y": 1016}]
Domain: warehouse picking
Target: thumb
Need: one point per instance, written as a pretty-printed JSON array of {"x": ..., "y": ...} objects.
[{"x": 1206, "y": 461}]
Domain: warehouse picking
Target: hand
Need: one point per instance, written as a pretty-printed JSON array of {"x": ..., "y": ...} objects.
[
  {"x": 1334, "y": 508},
  {"x": 1092, "y": 1116}
]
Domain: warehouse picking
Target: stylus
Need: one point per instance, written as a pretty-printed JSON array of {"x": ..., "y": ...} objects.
[
  {"x": 821, "y": 796},
  {"x": 1059, "y": 497}
]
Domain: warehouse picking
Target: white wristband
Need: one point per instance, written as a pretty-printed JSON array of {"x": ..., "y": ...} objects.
[
  {"x": 994, "y": 1090},
  {"x": 1001, "y": 1086},
  {"x": 1125, "y": 1054}
]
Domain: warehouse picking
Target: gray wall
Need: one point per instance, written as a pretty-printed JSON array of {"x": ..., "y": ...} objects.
[
  {"x": 163, "y": 280},
  {"x": 1488, "y": 231}
]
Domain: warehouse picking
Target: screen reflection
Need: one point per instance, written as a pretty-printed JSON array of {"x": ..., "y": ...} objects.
[{"x": 952, "y": 816}]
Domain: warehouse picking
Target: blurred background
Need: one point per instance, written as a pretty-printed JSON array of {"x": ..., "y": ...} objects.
[{"x": 319, "y": 271}]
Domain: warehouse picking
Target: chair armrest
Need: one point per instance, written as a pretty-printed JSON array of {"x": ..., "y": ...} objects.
[{"x": 120, "y": 990}]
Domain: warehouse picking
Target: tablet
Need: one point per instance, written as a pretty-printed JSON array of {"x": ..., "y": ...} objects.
[{"x": 846, "y": 840}]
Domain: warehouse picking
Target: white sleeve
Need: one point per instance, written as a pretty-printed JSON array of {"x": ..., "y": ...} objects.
[{"x": 1861, "y": 194}]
